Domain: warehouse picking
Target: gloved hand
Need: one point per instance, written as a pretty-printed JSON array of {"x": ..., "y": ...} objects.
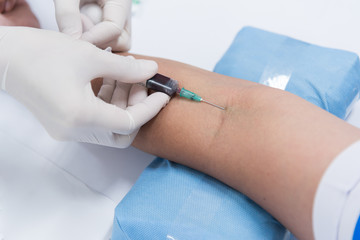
[
  {"x": 7, "y": 5},
  {"x": 113, "y": 30},
  {"x": 50, "y": 73}
]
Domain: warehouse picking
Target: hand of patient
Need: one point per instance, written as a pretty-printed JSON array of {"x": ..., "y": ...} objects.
[
  {"x": 7, "y": 5},
  {"x": 17, "y": 13}
]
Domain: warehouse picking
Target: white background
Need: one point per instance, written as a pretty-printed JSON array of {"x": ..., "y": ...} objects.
[{"x": 55, "y": 190}]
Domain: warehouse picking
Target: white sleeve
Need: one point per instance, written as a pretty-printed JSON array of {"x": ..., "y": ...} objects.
[{"x": 336, "y": 207}]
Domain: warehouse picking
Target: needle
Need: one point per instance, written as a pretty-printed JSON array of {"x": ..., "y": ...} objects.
[
  {"x": 202, "y": 100},
  {"x": 194, "y": 97}
]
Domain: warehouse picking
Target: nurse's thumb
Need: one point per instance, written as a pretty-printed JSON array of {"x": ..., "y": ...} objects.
[
  {"x": 126, "y": 68},
  {"x": 68, "y": 17}
]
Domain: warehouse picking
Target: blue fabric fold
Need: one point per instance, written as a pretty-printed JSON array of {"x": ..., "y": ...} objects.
[{"x": 171, "y": 201}]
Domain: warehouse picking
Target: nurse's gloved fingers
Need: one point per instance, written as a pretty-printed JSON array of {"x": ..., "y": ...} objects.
[
  {"x": 144, "y": 111},
  {"x": 137, "y": 94},
  {"x": 121, "y": 94},
  {"x": 124, "y": 69},
  {"x": 92, "y": 10},
  {"x": 109, "y": 117},
  {"x": 68, "y": 17},
  {"x": 115, "y": 15},
  {"x": 131, "y": 57},
  {"x": 107, "y": 90},
  {"x": 86, "y": 23},
  {"x": 101, "y": 33},
  {"x": 117, "y": 11},
  {"x": 124, "y": 141},
  {"x": 122, "y": 43},
  {"x": 108, "y": 138}
]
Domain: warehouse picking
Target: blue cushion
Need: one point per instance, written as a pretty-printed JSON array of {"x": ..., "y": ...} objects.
[
  {"x": 356, "y": 235},
  {"x": 328, "y": 78},
  {"x": 170, "y": 201}
]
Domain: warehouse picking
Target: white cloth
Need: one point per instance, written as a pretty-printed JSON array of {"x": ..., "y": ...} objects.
[
  {"x": 85, "y": 180},
  {"x": 337, "y": 202},
  {"x": 37, "y": 199}
]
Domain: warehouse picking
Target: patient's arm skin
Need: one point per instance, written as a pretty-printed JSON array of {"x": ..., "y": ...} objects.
[{"x": 269, "y": 144}]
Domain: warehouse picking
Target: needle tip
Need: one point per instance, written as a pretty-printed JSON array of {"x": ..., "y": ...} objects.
[{"x": 212, "y": 104}]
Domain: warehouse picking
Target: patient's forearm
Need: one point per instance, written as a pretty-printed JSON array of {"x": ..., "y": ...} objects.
[{"x": 268, "y": 144}]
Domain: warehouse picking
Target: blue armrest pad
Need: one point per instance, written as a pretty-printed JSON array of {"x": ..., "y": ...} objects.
[
  {"x": 328, "y": 78},
  {"x": 171, "y": 201}
]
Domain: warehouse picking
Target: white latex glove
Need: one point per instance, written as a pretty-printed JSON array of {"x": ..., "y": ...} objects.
[
  {"x": 50, "y": 73},
  {"x": 113, "y": 30}
]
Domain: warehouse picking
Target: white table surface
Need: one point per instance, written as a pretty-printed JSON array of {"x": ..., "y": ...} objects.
[{"x": 56, "y": 190}]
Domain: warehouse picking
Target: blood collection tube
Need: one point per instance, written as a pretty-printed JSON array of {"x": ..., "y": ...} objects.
[{"x": 161, "y": 83}]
